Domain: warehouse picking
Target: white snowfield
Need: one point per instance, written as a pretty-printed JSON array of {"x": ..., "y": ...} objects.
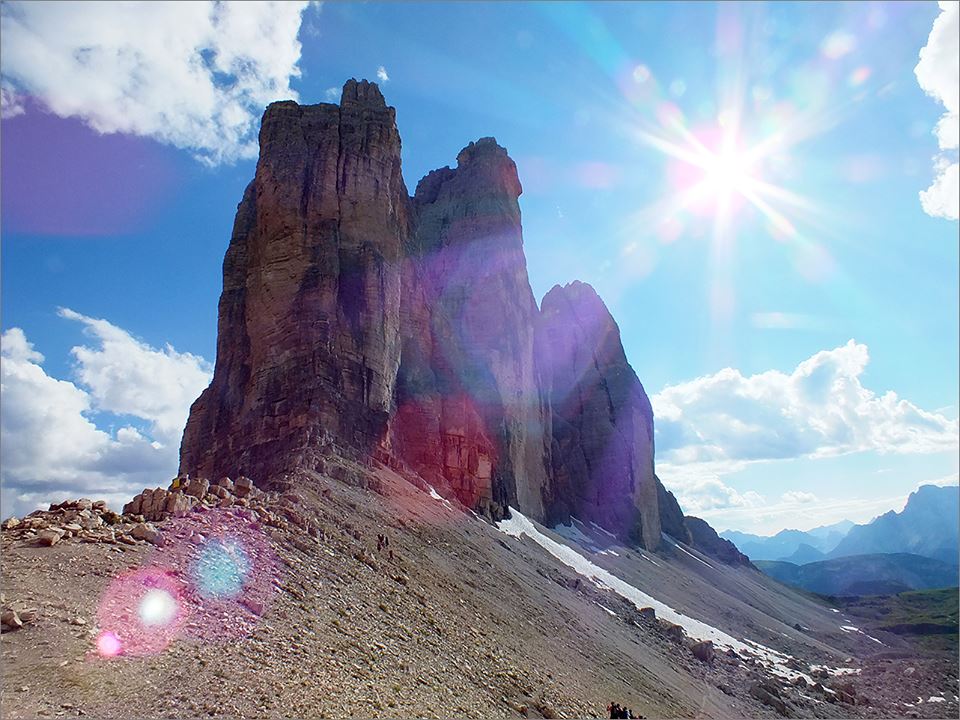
[
  {"x": 438, "y": 497},
  {"x": 519, "y": 525},
  {"x": 851, "y": 628}
]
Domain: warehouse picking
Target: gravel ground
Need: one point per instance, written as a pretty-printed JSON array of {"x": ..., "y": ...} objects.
[{"x": 452, "y": 619}]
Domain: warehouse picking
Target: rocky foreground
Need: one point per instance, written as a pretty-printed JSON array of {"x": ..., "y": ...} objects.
[{"x": 367, "y": 595}]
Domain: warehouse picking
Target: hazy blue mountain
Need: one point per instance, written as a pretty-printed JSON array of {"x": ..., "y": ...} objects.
[
  {"x": 786, "y": 543},
  {"x": 928, "y": 525},
  {"x": 805, "y": 554},
  {"x": 878, "y": 574}
]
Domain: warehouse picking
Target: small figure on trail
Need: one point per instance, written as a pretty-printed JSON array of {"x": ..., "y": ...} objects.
[{"x": 391, "y": 554}]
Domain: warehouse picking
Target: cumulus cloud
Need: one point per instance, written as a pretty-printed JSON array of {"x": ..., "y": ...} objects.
[
  {"x": 715, "y": 426},
  {"x": 701, "y": 491},
  {"x": 818, "y": 410},
  {"x": 799, "y": 497},
  {"x": 195, "y": 75},
  {"x": 382, "y": 74},
  {"x": 11, "y": 104},
  {"x": 53, "y": 445},
  {"x": 938, "y": 73}
]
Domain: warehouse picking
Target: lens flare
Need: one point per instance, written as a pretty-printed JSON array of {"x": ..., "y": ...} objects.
[
  {"x": 141, "y": 613},
  {"x": 220, "y": 569},
  {"x": 108, "y": 644},
  {"x": 157, "y": 607}
]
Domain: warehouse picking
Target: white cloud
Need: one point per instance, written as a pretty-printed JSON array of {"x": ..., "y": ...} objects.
[
  {"x": 819, "y": 409},
  {"x": 52, "y": 447},
  {"x": 938, "y": 73},
  {"x": 700, "y": 491},
  {"x": 717, "y": 425},
  {"x": 11, "y": 104},
  {"x": 195, "y": 75},
  {"x": 128, "y": 377},
  {"x": 382, "y": 74},
  {"x": 945, "y": 481},
  {"x": 332, "y": 94},
  {"x": 799, "y": 497},
  {"x": 940, "y": 199}
]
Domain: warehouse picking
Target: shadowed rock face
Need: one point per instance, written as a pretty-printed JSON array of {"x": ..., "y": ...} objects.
[
  {"x": 705, "y": 538},
  {"x": 602, "y": 419},
  {"x": 470, "y": 412},
  {"x": 308, "y": 336},
  {"x": 671, "y": 516},
  {"x": 358, "y": 321}
]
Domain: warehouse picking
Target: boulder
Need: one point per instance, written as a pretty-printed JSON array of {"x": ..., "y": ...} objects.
[
  {"x": 703, "y": 651},
  {"x": 648, "y": 613},
  {"x": 50, "y": 537},
  {"x": 147, "y": 532},
  {"x": 134, "y": 506},
  {"x": 11, "y": 523},
  {"x": 10, "y": 620},
  {"x": 769, "y": 694},
  {"x": 178, "y": 504},
  {"x": 197, "y": 488},
  {"x": 243, "y": 486},
  {"x": 673, "y": 631}
]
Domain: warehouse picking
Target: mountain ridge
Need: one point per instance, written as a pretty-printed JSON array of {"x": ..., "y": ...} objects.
[{"x": 360, "y": 321}]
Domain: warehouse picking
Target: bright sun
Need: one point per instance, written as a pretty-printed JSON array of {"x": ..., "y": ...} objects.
[{"x": 726, "y": 172}]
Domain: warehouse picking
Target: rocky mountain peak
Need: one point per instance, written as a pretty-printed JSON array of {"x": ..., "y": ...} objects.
[
  {"x": 362, "y": 92},
  {"x": 602, "y": 419},
  {"x": 358, "y": 322}
]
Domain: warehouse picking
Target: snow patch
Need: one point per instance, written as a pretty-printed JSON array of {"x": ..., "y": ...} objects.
[
  {"x": 440, "y": 498},
  {"x": 604, "y": 531},
  {"x": 519, "y": 525},
  {"x": 573, "y": 533},
  {"x": 849, "y": 628},
  {"x": 606, "y": 609},
  {"x": 681, "y": 548},
  {"x": 936, "y": 698},
  {"x": 647, "y": 557},
  {"x": 836, "y": 671}
]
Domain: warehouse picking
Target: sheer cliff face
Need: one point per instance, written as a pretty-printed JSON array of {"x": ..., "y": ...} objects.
[
  {"x": 469, "y": 409},
  {"x": 359, "y": 321},
  {"x": 308, "y": 340},
  {"x": 602, "y": 420}
]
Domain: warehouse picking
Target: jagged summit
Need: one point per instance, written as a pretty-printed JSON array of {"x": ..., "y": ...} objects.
[
  {"x": 362, "y": 92},
  {"x": 359, "y": 322}
]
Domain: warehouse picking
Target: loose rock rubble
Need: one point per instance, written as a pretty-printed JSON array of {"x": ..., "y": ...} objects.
[{"x": 84, "y": 520}]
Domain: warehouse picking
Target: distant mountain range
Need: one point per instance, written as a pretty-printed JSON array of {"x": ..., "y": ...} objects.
[
  {"x": 877, "y": 574},
  {"x": 792, "y": 545},
  {"x": 927, "y": 526}
]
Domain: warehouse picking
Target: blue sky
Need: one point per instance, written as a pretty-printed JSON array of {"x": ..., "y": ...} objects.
[{"x": 119, "y": 192}]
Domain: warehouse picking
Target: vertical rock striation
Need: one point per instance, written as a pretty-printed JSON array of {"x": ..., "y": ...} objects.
[
  {"x": 356, "y": 320},
  {"x": 602, "y": 419},
  {"x": 308, "y": 335},
  {"x": 470, "y": 414}
]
